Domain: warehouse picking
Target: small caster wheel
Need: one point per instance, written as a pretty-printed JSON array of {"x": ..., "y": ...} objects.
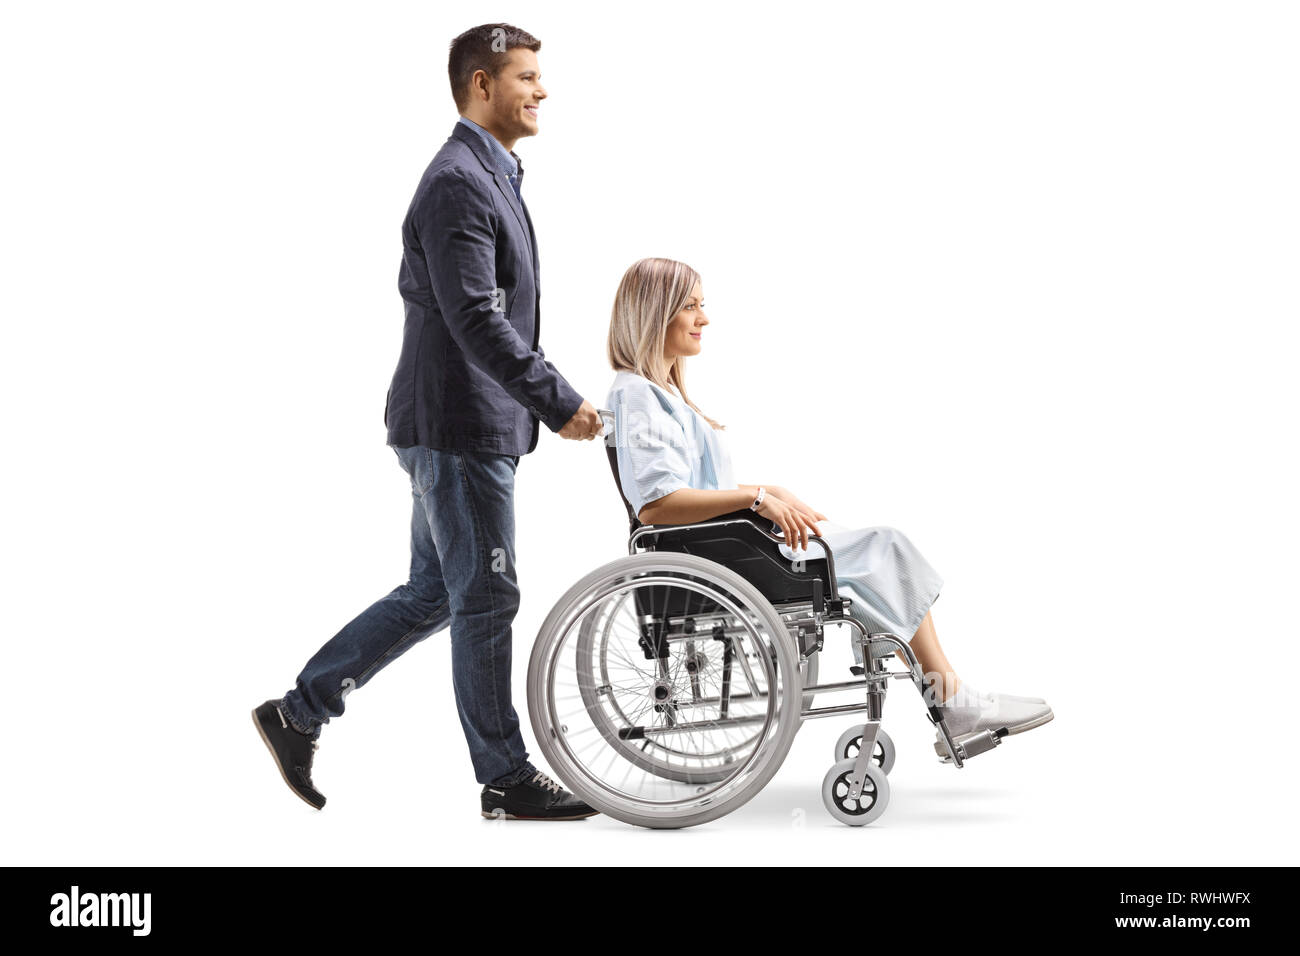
[
  {"x": 868, "y": 807},
  {"x": 850, "y": 742}
]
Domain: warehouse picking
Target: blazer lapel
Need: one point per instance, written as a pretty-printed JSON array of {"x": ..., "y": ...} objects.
[
  {"x": 532, "y": 239},
  {"x": 480, "y": 149}
]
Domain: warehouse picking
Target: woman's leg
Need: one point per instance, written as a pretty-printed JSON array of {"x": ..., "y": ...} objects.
[
  {"x": 974, "y": 712},
  {"x": 939, "y": 675}
]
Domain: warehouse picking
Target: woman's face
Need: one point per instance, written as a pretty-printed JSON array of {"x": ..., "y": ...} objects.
[{"x": 684, "y": 333}]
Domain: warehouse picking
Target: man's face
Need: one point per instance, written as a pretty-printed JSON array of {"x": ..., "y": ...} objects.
[{"x": 515, "y": 95}]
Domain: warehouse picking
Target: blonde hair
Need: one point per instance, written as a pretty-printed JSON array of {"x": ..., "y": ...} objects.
[{"x": 651, "y": 293}]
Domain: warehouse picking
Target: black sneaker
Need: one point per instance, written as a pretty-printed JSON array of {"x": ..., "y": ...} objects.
[
  {"x": 534, "y": 798},
  {"x": 292, "y": 751}
]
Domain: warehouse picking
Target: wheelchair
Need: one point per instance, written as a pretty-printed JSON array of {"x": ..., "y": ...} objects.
[{"x": 665, "y": 688}]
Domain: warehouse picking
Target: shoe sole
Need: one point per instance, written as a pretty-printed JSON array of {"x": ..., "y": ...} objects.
[
  {"x": 276, "y": 760},
  {"x": 511, "y": 816},
  {"x": 1011, "y": 731}
]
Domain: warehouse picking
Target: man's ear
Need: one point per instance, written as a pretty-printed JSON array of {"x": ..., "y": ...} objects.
[{"x": 480, "y": 89}]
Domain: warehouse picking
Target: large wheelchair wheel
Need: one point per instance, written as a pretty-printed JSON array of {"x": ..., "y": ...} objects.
[
  {"x": 600, "y": 654},
  {"x": 664, "y": 690},
  {"x": 600, "y": 651}
]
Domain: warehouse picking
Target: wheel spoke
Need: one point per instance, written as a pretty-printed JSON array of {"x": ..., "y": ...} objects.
[{"x": 680, "y": 749}]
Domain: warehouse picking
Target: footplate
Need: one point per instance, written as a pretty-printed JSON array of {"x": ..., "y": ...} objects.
[{"x": 977, "y": 744}]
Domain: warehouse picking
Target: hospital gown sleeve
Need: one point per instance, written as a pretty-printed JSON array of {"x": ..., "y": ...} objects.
[{"x": 653, "y": 451}]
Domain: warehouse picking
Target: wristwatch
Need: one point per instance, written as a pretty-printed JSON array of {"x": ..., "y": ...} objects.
[{"x": 759, "y": 500}]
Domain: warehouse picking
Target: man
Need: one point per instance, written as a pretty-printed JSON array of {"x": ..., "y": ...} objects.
[{"x": 465, "y": 401}]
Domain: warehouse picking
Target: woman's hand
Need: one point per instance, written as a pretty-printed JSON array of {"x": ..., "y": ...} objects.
[
  {"x": 795, "y": 524},
  {"x": 788, "y": 497}
]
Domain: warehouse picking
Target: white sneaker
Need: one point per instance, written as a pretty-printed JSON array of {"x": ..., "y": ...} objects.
[
  {"x": 1028, "y": 700},
  {"x": 967, "y": 714}
]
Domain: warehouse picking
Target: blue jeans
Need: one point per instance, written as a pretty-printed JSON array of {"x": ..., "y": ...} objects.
[{"x": 462, "y": 574}]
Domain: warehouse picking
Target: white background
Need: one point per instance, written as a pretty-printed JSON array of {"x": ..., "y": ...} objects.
[{"x": 1016, "y": 278}]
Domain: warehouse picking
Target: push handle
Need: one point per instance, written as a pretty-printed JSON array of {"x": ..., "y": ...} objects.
[{"x": 607, "y": 416}]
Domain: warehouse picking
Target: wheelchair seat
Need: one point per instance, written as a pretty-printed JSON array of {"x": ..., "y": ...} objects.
[{"x": 740, "y": 540}]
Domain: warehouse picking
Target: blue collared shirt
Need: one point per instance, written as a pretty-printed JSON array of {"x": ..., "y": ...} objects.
[{"x": 506, "y": 160}]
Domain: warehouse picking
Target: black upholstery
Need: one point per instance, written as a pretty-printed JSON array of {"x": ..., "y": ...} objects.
[
  {"x": 612, "y": 452},
  {"x": 740, "y": 546}
]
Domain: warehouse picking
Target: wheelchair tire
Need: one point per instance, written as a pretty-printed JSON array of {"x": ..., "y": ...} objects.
[
  {"x": 868, "y": 807},
  {"x": 606, "y": 757},
  {"x": 850, "y": 742},
  {"x": 593, "y": 643}
]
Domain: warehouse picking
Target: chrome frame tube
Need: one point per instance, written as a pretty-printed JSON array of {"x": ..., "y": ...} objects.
[
  {"x": 701, "y": 725},
  {"x": 834, "y": 711},
  {"x": 918, "y": 679},
  {"x": 859, "y": 683}
]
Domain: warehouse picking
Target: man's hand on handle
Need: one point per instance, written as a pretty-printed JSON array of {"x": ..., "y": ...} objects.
[{"x": 584, "y": 425}]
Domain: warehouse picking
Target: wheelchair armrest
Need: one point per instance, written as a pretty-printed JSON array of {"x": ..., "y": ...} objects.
[
  {"x": 763, "y": 525},
  {"x": 741, "y": 540}
]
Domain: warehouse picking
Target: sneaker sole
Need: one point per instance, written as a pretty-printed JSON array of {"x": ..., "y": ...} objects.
[
  {"x": 276, "y": 760},
  {"x": 1017, "y": 729},
  {"x": 511, "y": 816}
]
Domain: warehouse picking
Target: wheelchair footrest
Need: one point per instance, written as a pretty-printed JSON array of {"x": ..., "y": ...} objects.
[{"x": 975, "y": 745}]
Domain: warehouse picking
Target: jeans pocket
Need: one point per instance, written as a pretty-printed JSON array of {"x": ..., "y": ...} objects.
[{"x": 417, "y": 462}]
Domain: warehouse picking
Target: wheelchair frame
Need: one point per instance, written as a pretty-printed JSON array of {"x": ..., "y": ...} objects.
[{"x": 797, "y": 591}]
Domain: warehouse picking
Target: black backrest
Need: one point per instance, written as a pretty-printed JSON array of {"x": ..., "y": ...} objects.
[{"x": 612, "y": 451}]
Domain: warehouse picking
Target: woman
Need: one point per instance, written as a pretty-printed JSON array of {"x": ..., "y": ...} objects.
[{"x": 675, "y": 469}]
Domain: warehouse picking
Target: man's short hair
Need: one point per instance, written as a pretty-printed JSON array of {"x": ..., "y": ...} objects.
[{"x": 485, "y": 48}]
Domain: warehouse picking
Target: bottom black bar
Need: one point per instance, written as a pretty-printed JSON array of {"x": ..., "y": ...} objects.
[{"x": 1147, "y": 905}]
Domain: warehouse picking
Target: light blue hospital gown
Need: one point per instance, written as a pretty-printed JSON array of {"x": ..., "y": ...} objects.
[{"x": 663, "y": 444}]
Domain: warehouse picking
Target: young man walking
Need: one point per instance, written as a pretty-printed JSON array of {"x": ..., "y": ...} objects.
[{"x": 471, "y": 387}]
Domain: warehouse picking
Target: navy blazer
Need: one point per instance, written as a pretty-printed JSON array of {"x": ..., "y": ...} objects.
[{"x": 472, "y": 375}]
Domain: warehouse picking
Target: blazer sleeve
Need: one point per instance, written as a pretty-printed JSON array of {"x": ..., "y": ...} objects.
[
  {"x": 454, "y": 223},
  {"x": 653, "y": 452}
]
